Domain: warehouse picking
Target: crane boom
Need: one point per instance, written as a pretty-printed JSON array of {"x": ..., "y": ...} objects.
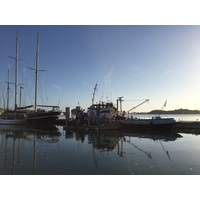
[
  {"x": 146, "y": 100},
  {"x": 95, "y": 88}
]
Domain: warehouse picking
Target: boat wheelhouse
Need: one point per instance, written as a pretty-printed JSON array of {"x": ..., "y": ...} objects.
[{"x": 102, "y": 111}]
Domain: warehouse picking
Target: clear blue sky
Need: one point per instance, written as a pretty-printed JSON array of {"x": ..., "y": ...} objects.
[{"x": 137, "y": 62}]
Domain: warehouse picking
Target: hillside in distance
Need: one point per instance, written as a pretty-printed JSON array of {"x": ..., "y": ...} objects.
[{"x": 178, "y": 111}]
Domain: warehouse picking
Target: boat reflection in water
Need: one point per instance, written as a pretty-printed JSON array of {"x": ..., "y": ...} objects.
[
  {"x": 51, "y": 150},
  {"x": 115, "y": 141},
  {"x": 18, "y": 147},
  {"x": 108, "y": 142}
]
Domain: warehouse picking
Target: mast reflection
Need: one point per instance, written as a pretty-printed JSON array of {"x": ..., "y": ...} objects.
[
  {"x": 13, "y": 139},
  {"x": 108, "y": 141}
]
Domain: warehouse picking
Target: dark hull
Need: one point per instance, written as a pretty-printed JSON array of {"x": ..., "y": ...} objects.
[
  {"x": 141, "y": 128},
  {"x": 42, "y": 118},
  {"x": 155, "y": 124}
]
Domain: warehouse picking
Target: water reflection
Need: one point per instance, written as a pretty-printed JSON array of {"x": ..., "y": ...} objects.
[
  {"x": 14, "y": 140},
  {"x": 108, "y": 141},
  {"x": 51, "y": 150}
]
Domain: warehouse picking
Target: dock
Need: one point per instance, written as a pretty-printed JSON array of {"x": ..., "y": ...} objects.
[
  {"x": 188, "y": 124},
  {"x": 76, "y": 125},
  {"x": 187, "y": 127},
  {"x": 181, "y": 126}
]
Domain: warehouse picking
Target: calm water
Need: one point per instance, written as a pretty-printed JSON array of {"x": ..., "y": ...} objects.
[{"x": 28, "y": 151}]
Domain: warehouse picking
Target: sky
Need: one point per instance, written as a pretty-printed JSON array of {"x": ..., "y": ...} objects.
[{"x": 137, "y": 62}]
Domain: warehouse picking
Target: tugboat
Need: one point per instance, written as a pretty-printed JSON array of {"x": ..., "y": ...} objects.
[
  {"x": 102, "y": 111},
  {"x": 99, "y": 116}
]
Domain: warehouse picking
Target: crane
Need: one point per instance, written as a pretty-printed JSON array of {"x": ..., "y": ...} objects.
[
  {"x": 95, "y": 89},
  {"x": 120, "y": 100},
  {"x": 146, "y": 100}
]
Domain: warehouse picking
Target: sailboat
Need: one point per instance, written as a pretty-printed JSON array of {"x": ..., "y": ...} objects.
[
  {"x": 41, "y": 117},
  {"x": 13, "y": 117}
]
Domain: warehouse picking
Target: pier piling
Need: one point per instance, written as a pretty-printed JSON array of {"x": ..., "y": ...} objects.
[{"x": 67, "y": 116}]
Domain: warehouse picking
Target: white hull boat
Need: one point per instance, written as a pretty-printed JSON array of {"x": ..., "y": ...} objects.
[{"x": 13, "y": 121}]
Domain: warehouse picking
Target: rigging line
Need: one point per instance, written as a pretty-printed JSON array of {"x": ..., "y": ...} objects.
[
  {"x": 135, "y": 100},
  {"x": 46, "y": 87},
  {"x": 165, "y": 150},
  {"x": 156, "y": 142},
  {"x": 129, "y": 104},
  {"x": 44, "y": 77},
  {"x": 40, "y": 90},
  {"x": 150, "y": 106},
  {"x": 148, "y": 154},
  {"x": 30, "y": 86},
  {"x": 21, "y": 49}
]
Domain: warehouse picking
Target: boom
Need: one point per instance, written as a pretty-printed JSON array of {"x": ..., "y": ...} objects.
[
  {"x": 146, "y": 100},
  {"x": 95, "y": 88}
]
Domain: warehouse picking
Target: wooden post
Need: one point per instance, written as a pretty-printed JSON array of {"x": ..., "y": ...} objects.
[{"x": 67, "y": 116}]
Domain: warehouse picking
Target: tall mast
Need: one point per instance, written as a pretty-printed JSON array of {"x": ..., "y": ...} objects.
[
  {"x": 8, "y": 88},
  {"x": 20, "y": 96},
  {"x": 36, "y": 71},
  {"x": 16, "y": 71}
]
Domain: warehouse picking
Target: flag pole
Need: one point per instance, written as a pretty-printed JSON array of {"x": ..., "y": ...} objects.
[{"x": 164, "y": 105}]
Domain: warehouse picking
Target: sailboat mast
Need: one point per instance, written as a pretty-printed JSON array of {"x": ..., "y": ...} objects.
[
  {"x": 16, "y": 71},
  {"x": 20, "y": 97},
  {"x": 8, "y": 88},
  {"x": 36, "y": 72}
]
